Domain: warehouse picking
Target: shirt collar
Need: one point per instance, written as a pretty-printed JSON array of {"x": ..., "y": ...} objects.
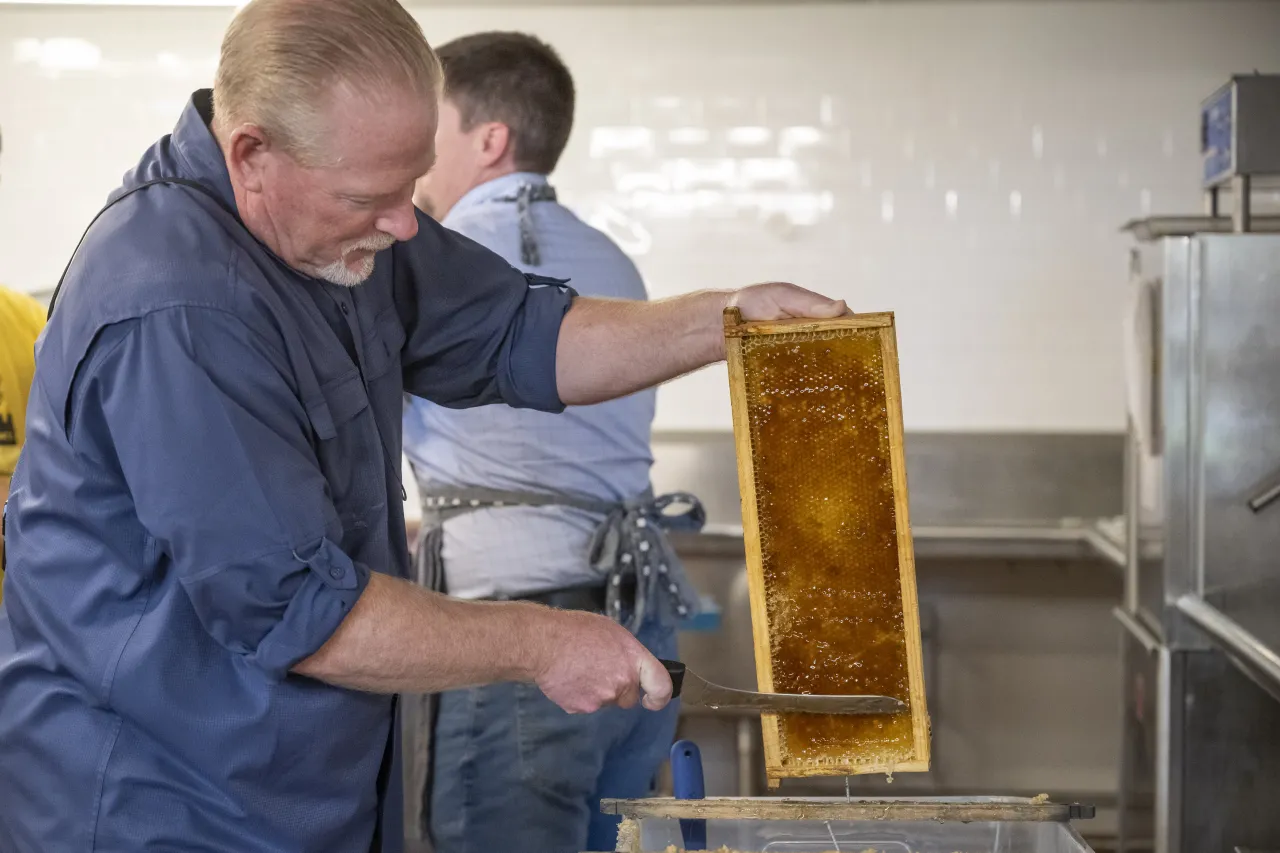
[
  {"x": 197, "y": 148},
  {"x": 507, "y": 185}
]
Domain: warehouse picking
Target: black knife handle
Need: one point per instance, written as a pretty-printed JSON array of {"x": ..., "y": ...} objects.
[{"x": 675, "y": 669}]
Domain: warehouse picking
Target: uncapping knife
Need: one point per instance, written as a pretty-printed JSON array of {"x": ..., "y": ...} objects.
[{"x": 695, "y": 690}]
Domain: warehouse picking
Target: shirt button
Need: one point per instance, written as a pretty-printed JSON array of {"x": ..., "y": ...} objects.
[
  {"x": 344, "y": 308},
  {"x": 335, "y": 573}
]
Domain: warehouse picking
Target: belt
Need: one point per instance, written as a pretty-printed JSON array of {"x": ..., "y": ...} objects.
[{"x": 592, "y": 598}]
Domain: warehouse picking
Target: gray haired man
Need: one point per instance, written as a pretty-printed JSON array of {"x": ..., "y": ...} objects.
[{"x": 207, "y": 614}]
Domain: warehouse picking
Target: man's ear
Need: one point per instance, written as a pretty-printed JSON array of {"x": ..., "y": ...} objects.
[
  {"x": 493, "y": 143},
  {"x": 247, "y": 150}
]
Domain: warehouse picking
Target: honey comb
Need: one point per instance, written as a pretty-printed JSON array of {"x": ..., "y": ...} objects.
[{"x": 818, "y": 428}]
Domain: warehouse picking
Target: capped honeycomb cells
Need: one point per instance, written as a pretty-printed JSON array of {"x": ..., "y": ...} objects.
[{"x": 818, "y": 419}]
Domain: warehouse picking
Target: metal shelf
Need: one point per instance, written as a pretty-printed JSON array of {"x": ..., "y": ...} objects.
[{"x": 1149, "y": 640}]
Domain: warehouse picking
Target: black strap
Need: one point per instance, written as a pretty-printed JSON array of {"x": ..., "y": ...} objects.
[
  {"x": 195, "y": 185},
  {"x": 524, "y": 197}
]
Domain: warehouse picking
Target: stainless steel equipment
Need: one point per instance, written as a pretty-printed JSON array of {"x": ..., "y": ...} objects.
[
  {"x": 1201, "y": 610},
  {"x": 1239, "y": 126}
]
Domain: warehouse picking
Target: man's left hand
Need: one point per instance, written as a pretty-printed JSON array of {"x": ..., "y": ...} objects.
[{"x": 778, "y": 300}]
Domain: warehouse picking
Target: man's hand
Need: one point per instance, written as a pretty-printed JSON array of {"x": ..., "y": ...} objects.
[
  {"x": 586, "y": 662},
  {"x": 778, "y": 300}
]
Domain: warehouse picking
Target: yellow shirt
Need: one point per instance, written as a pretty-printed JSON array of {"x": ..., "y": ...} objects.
[{"x": 21, "y": 319}]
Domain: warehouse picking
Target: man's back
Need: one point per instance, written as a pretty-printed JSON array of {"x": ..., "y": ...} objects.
[{"x": 599, "y": 451}]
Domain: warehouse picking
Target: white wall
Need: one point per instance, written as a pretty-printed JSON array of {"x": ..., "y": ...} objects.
[{"x": 966, "y": 165}]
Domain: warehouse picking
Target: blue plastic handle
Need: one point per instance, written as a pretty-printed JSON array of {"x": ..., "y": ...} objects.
[{"x": 686, "y": 777}]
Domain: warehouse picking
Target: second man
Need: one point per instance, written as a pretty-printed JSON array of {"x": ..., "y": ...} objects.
[{"x": 522, "y": 504}]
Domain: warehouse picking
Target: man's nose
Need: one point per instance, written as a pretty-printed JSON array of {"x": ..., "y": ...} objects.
[{"x": 400, "y": 222}]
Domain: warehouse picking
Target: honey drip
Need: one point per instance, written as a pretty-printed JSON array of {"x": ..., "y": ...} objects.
[{"x": 817, "y": 415}]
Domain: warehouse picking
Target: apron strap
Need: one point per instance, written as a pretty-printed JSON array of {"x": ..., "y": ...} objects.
[
  {"x": 629, "y": 542},
  {"x": 524, "y": 198}
]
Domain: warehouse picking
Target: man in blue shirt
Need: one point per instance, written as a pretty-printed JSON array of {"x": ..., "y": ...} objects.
[
  {"x": 205, "y": 618},
  {"x": 507, "y": 761}
]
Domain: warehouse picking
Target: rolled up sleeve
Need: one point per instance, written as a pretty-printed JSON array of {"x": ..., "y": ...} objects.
[
  {"x": 478, "y": 330},
  {"x": 277, "y": 609},
  {"x": 197, "y": 414}
]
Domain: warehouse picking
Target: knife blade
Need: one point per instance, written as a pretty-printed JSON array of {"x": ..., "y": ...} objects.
[{"x": 695, "y": 690}]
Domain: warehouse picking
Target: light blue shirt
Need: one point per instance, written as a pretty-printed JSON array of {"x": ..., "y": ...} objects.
[{"x": 601, "y": 451}]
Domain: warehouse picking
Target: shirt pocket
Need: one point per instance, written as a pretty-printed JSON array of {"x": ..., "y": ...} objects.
[
  {"x": 383, "y": 344},
  {"x": 348, "y": 451}
]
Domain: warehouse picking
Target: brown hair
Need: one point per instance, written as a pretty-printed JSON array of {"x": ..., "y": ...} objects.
[
  {"x": 281, "y": 58},
  {"x": 518, "y": 80}
]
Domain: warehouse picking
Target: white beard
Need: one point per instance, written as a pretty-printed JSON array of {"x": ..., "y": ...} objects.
[{"x": 340, "y": 273}]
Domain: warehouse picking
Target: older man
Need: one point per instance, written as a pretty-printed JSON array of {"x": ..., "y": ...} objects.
[
  {"x": 539, "y": 495},
  {"x": 205, "y": 618}
]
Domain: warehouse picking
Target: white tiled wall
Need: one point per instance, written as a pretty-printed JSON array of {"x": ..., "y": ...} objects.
[{"x": 966, "y": 165}]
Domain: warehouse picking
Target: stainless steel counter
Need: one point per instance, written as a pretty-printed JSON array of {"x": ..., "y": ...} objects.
[{"x": 1068, "y": 540}]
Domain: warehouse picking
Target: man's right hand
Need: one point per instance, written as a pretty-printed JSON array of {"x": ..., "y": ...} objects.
[{"x": 584, "y": 662}]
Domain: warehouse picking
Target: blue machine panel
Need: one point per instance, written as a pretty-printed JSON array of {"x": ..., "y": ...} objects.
[{"x": 1217, "y": 119}]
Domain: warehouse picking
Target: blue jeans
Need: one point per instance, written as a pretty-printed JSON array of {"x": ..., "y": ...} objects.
[{"x": 514, "y": 772}]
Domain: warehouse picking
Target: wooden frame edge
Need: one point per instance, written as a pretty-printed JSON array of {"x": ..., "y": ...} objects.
[
  {"x": 906, "y": 551},
  {"x": 856, "y": 808},
  {"x": 751, "y": 529},
  {"x": 738, "y": 328}
]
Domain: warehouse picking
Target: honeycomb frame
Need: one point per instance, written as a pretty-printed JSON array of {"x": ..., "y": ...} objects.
[{"x": 806, "y": 745}]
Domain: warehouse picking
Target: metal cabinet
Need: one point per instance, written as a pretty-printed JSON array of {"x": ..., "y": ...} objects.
[{"x": 1201, "y": 647}]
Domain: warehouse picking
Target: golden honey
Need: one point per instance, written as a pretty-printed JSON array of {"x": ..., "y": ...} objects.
[{"x": 818, "y": 416}]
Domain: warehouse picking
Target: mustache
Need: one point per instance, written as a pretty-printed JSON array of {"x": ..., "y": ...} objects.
[{"x": 375, "y": 243}]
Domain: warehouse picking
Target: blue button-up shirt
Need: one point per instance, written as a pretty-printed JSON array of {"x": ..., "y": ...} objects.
[
  {"x": 599, "y": 451},
  {"x": 208, "y": 480}
]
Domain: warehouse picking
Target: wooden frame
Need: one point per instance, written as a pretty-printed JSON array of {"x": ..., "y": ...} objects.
[
  {"x": 775, "y": 808},
  {"x": 777, "y": 765}
]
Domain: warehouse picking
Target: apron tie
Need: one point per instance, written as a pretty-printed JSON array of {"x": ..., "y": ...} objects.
[
  {"x": 524, "y": 199},
  {"x": 629, "y": 542}
]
